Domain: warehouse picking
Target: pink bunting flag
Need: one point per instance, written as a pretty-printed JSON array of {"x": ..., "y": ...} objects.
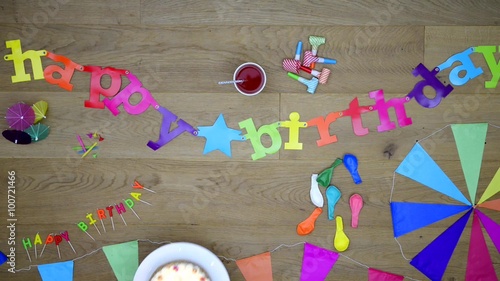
[
  {"x": 256, "y": 268},
  {"x": 479, "y": 264},
  {"x": 378, "y": 275},
  {"x": 317, "y": 263}
]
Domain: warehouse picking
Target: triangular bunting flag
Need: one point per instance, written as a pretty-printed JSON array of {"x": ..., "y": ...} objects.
[
  {"x": 59, "y": 271},
  {"x": 493, "y": 205},
  {"x": 470, "y": 139},
  {"x": 407, "y": 216},
  {"x": 124, "y": 259},
  {"x": 491, "y": 227},
  {"x": 492, "y": 189},
  {"x": 317, "y": 263},
  {"x": 433, "y": 259},
  {"x": 420, "y": 167},
  {"x": 479, "y": 264},
  {"x": 378, "y": 275},
  {"x": 256, "y": 268}
]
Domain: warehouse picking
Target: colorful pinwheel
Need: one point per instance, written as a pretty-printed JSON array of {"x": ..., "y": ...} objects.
[{"x": 410, "y": 216}]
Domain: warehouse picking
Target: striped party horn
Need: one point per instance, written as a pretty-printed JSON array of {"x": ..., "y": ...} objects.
[
  {"x": 310, "y": 84},
  {"x": 291, "y": 65},
  {"x": 322, "y": 76},
  {"x": 310, "y": 58},
  {"x": 315, "y": 42}
]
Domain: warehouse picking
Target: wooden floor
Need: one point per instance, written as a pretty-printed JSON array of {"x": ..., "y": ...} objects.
[{"x": 235, "y": 206}]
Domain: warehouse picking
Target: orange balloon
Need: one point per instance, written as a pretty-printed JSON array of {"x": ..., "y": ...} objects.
[{"x": 307, "y": 226}]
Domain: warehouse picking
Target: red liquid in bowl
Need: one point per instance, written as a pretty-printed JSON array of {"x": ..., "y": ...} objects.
[{"x": 254, "y": 79}]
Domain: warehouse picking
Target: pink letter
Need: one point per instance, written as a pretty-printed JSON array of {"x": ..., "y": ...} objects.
[
  {"x": 96, "y": 88},
  {"x": 382, "y": 106},
  {"x": 123, "y": 97}
]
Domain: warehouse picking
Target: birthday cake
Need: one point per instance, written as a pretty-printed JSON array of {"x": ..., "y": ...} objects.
[{"x": 180, "y": 271}]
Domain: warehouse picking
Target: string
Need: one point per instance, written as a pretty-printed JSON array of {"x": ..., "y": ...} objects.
[
  {"x": 222, "y": 257},
  {"x": 435, "y": 132},
  {"x": 95, "y": 251}
]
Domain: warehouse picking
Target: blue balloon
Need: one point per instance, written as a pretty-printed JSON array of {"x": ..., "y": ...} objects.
[{"x": 351, "y": 163}]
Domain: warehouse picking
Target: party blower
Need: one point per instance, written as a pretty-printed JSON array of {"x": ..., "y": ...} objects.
[
  {"x": 315, "y": 42},
  {"x": 294, "y": 65},
  {"x": 309, "y": 58},
  {"x": 290, "y": 66},
  {"x": 311, "y": 84}
]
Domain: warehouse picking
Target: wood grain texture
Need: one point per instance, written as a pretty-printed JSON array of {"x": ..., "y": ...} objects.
[
  {"x": 238, "y": 207},
  {"x": 394, "y": 12}
]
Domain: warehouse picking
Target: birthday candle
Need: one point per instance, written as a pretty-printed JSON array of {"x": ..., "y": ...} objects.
[
  {"x": 27, "y": 243},
  {"x": 92, "y": 221},
  {"x": 137, "y": 185},
  {"x": 102, "y": 215},
  {"x": 130, "y": 204},
  {"x": 137, "y": 197},
  {"x": 110, "y": 212},
  {"x": 57, "y": 240},
  {"x": 83, "y": 227},
  {"x": 48, "y": 240},
  {"x": 38, "y": 240},
  {"x": 121, "y": 209},
  {"x": 65, "y": 235}
]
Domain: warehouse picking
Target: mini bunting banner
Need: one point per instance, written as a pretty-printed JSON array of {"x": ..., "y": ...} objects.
[
  {"x": 256, "y": 268},
  {"x": 317, "y": 263},
  {"x": 59, "y": 271},
  {"x": 124, "y": 259},
  {"x": 378, "y": 275}
]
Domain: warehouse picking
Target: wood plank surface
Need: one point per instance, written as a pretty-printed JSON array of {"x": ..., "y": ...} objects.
[{"x": 238, "y": 207}]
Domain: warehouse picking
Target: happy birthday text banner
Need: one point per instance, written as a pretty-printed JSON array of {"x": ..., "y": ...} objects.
[{"x": 116, "y": 98}]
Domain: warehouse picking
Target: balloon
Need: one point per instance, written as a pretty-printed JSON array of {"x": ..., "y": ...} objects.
[
  {"x": 341, "y": 241},
  {"x": 325, "y": 177},
  {"x": 351, "y": 163},
  {"x": 307, "y": 226},
  {"x": 356, "y": 204},
  {"x": 332, "y": 195}
]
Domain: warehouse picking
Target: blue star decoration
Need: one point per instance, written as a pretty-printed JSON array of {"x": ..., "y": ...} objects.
[{"x": 219, "y": 136}]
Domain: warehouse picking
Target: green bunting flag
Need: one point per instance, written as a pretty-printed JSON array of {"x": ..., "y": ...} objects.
[{"x": 124, "y": 259}]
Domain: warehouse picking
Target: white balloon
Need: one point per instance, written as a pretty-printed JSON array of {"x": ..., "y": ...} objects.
[{"x": 315, "y": 193}]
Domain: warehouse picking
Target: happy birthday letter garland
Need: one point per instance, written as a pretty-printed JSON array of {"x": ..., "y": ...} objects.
[{"x": 114, "y": 97}]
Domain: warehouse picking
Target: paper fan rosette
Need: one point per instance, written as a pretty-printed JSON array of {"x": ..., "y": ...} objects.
[{"x": 409, "y": 217}]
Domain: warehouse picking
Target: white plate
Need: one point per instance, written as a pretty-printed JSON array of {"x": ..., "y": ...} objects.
[{"x": 186, "y": 252}]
